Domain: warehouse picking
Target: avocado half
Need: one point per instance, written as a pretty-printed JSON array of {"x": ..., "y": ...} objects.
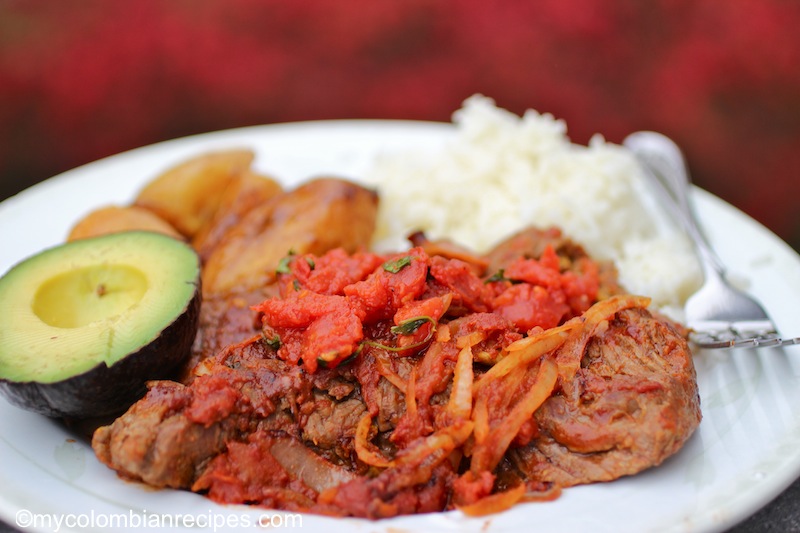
[{"x": 84, "y": 325}]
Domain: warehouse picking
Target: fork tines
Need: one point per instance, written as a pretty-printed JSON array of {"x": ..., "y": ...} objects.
[{"x": 739, "y": 334}]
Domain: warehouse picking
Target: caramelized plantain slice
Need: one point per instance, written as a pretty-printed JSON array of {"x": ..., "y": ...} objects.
[
  {"x": 188, "y": 194},
  {"x": 244, "y": 193},
  {"x": 322, "y": 214},
  {"x": 115, "y": 219}
]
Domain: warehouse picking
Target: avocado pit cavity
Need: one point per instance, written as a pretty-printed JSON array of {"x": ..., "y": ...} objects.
[{"x": 88, "y": 294}]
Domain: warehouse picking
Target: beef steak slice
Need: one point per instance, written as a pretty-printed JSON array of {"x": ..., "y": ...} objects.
[{"x": 633, "y": 403}]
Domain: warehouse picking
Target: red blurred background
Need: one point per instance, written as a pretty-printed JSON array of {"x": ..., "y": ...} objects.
[{"x": 84, "y": 79}]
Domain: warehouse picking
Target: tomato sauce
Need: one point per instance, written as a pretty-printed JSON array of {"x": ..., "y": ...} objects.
[{"x": 326, "y": 303}]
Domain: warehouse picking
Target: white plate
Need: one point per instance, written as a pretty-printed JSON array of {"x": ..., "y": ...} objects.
[{"x": 745, "y": 452}]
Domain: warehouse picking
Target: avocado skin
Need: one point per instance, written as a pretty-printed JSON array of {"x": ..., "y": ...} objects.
[{"x": 107, "y": 391}]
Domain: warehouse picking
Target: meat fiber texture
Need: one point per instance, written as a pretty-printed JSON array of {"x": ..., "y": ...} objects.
[{"x": 632, "y": 403}]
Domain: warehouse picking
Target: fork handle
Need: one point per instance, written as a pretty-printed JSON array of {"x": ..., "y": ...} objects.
[{"x": 663, "y": 163}]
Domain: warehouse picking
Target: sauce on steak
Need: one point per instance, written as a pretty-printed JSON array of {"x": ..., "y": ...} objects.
[{"x": 372, "y": 386}]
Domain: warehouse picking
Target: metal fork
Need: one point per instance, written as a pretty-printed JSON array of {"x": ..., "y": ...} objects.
[{"x": 718, "y": 315}]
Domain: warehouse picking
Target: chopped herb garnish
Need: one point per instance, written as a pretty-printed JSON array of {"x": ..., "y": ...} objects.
[
  {"x": 328, "y": 360},
  {"x": 500, "y": 275},
  {"x": 311, "y": 263},
  {"x": 296, "y": 284},
  {"x": 273, "y": 342},
  {"x": 407, "y": 327},
  {"x": 283, "y": 264},
  {"x": 397, "y": 265},
  {"x": 328, "y": 357}
]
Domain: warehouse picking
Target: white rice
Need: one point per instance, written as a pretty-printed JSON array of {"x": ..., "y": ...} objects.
[{"x": 501, "y": 173}]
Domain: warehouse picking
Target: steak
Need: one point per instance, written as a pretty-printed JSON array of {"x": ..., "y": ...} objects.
[
  {"x": 155, "y": 442},
  {"x": 632, "y": 403},
  {"x": 388, "y": 428},
  {"x": 167, "y": 438}
]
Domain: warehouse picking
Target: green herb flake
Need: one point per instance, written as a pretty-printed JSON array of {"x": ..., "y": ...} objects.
[
  {"x": 283, "y": 264},
  {"x": 334, "y": 358},
  {"x": 311, "y": 264},
  {"x": 407, "y": 327},
  {"x": 500, "y": 275},
  {"x": 397, "y": 265},
  {"x": 404, "y": 328},
  {"x": 273, "y": 342},
  {"x": 328, "y": 357}
]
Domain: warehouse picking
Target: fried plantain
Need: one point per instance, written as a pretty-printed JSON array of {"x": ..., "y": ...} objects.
[
  {"x": 322, "y": 214},
  {"x": 115, "y": 219},
  {"x": 188, "y": 194},
  {"x": 246, "y": 192}
]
